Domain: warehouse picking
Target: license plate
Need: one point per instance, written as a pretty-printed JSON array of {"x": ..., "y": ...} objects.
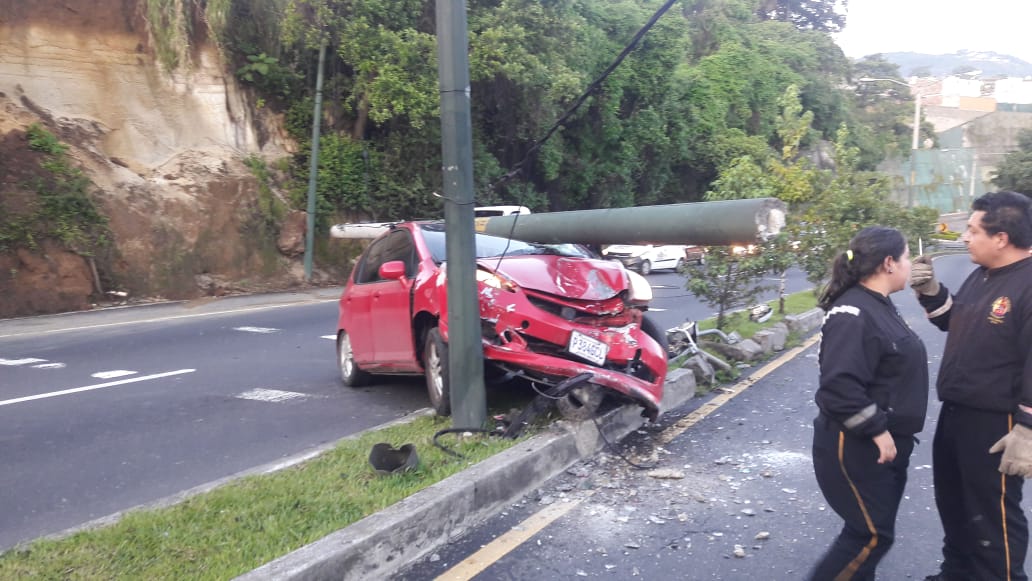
[{"x": 589, "y": 348}]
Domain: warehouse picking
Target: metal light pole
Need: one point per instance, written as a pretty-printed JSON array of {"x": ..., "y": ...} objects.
[
  {"x": 313, "y": 167},
  {"x": 465, "y": 353}
]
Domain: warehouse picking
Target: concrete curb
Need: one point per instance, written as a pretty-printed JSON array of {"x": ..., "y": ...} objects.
[{"x": 381, "y": 544}]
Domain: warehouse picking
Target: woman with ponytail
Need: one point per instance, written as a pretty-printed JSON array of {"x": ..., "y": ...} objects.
[{"x": 872, "y": 399}]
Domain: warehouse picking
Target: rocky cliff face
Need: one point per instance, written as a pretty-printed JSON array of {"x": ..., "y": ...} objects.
[{"x": 165, "y": 150}]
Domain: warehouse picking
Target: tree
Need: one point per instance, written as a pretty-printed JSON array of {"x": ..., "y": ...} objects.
[
  {"x": 1015, "y": 171},
  {"x": 822, "y": 15},
  {"x": 728, "y": 280}
]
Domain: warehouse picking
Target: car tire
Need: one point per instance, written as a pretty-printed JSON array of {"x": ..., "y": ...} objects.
[
  {"x": 645, "y": 268},
  {"x": 350, "y": 374},
  {"x": 701, "y": 261},
  {"x": 435, "y": 366},
  {"x": 652, "y": 329},
  {"x": 680, "y": 265},
  {"x": 582, "y": 403}
]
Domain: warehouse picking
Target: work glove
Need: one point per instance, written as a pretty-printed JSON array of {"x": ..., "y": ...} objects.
[
  {"x": 922, "y": 276},
  {"x": 1017, "y": 452}
]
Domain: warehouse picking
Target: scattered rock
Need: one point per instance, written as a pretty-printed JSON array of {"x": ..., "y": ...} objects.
[
  {"x": 762, "y": 536},
  {"x": 739, "y": 552}
]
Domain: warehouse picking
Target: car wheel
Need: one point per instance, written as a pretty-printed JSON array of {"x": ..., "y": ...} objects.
[
  {"x": 435, "y": 365},
  {"x": 350, "y": 374},
  {"x": 652, "y": 329},
  {"x": 581, "y": 404},
  {"x": 645, "y": 268},
  {"x": 680, "y": 265},
  {"x": 702, "y": 260}
]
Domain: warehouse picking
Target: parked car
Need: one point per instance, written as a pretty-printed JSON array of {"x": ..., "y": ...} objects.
[
  {"x": 548, "y": 313},
  {"x": 647, "y": 258}
]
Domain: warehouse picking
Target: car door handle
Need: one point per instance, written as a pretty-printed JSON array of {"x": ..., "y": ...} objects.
[{"x": 376, "y": 295}]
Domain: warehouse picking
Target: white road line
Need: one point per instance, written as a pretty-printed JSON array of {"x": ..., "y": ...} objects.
[
  {"x": 92, "y": 387},
  {"x": 331, "y": 337},
  {"x": 112, "y": 374},
  {"x": 657, "y": 309},
  {"x": 26, "y": 361},
  {"x": 255, "y": 329},
  {"x": 49, "y": 366},
  {"x": 169, "y": 318},
  {"x": 270, "y": 395}
]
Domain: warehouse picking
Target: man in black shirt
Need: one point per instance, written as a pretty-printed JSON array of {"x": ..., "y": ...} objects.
[{"x": 982, "y": 449}]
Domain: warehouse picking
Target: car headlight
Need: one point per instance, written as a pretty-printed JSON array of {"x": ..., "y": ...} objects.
[
  {"x": 495, "y": 280},
  {"x": 641, "y": 290}
]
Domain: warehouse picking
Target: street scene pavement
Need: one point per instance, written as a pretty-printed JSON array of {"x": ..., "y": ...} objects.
[{"x": 729, "y": 496}]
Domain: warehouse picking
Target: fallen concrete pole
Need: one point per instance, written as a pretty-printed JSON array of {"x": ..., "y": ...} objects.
[{"x": 720, "y": 223}]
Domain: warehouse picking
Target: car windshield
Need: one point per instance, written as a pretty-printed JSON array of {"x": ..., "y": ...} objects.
[{"x": 492, "y": 246}]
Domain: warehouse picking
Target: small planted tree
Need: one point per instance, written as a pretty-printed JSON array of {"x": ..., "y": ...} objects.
[{"x": 729, "y": 281}]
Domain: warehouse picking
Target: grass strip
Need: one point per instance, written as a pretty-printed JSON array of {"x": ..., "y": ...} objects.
[{"x": 234, "y": 529}]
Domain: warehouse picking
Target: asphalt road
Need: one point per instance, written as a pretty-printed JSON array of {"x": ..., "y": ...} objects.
[
  {"x": 170, "y": 397},
  {"x": 747, "y": 484},
  {"x": 106, "y": 410}
]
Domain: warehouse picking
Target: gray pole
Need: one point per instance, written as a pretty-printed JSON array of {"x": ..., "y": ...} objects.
[
  {"x": 465, "y": 353},
  {"x": 313, "y": 167}
]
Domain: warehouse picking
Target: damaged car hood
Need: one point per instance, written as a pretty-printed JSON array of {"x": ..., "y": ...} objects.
[{"x": 574, "y": 278}]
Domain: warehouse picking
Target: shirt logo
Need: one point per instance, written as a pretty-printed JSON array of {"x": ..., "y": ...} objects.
[{"x": 1001, "y": 307}]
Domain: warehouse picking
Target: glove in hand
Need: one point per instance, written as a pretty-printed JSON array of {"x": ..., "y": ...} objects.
[
  {"x": 1017, "y": 452},
  {"x": 922, "y": 276}
]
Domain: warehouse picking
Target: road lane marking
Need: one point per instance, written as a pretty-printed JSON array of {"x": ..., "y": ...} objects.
[
  {"x": 474, "y": 564},
  {"x": 270, "y": 395},
  {"x": 49, "y": 366},
  {"x": 112, "y": 374},
  {"x": 26, "y": 361},
  {"x": 255, "y": 329},
  {"x": 92, "y": 387},
  {"x": 169, "y": 318},
  {"x": 679, "y": 427},
  {"x": 331, "y": 337}
]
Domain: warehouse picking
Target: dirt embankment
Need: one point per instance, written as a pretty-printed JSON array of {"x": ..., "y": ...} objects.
[{"x": 164, "y": 150}]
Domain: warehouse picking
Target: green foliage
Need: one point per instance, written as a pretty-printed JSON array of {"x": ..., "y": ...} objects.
[
  {"x": 728, "y": 280},
  {"x": 268, "y": 75},
  {"x": 170, "y": 23},
  {"x": 43, "y": 141},
  {"x": 1015, "y": 170},
  {"x": 62, "y": 207},
  {"x": 822, "y": 15}
]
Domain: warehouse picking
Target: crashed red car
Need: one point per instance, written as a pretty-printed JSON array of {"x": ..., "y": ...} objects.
[{"x": 548, "y": 313}]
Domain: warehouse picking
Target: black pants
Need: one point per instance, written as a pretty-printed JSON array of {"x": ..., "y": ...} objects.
[
  {"x": 864, "y": 493},
  {"x": 986, "y": 533}
]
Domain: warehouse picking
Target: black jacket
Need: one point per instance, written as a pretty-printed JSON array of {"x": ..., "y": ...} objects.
[
  {"x": 874, "y": 368},
  {"x": 987, "y": 363}
]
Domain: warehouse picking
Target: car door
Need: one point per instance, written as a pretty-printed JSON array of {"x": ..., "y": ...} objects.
[
  {"x": 357, "y": 307},
  {"x": 392, "y": 306}
]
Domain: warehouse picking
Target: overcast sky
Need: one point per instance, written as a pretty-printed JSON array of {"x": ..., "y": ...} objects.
[{"x": 938, "y": 27}]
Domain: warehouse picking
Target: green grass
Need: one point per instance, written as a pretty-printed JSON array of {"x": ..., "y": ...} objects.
[
  {"x": 795, "y": 303},
  {"x": 235, "y": 528}
]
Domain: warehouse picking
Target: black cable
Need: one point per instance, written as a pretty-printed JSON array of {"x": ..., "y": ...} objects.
[
  {"x": 448, "y": 450},
  {"x": 587, "y": 92},
  {"x": 617, "y": 453}
]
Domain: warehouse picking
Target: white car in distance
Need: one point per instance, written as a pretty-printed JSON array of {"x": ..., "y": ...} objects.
[{"x": 647, "y": 258}]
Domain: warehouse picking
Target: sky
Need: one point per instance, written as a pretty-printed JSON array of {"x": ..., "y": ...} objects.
[{"x": 938, "y": 27}]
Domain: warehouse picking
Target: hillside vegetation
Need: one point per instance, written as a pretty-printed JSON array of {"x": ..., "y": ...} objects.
[{"x": 192, "y": 127}]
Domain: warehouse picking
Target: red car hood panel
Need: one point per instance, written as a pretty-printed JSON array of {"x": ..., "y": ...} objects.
[{"x": 574, "y": 278}]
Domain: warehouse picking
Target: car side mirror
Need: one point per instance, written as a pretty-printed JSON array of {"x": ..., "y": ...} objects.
[{"x": 393, "y": 270}]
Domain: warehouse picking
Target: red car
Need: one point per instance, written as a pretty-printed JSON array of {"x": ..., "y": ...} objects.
[{"x": 548, "y": 313}]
